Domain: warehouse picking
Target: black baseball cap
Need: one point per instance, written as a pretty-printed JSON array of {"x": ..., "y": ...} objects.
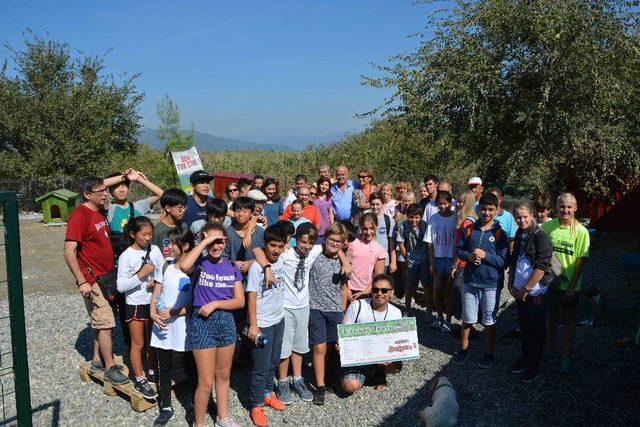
[{"x": 199, "y": 176}]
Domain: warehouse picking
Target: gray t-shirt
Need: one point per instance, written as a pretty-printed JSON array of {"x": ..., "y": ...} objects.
[
  {"x": 325, "y": 282},
  {"x": 383, "y": 234},
  {"x": 269, "y": 299},
  {"x": 196, "y": 226},
  {"x": 235, "y": 251},
  {"x": 160, "y": 236}
]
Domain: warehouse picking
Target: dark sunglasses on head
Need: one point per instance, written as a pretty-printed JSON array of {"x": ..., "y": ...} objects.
[{"x": 383, "y": 291}]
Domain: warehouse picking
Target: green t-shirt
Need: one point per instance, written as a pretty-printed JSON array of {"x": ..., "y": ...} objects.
[
  {"x": 569, "y": 245},
  {"x": 118, "y": 216}
]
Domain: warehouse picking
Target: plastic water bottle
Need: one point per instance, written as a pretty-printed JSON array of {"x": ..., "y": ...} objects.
[
  {"x": 261, "y": 340},
  {"x": 160, "y": 305}
]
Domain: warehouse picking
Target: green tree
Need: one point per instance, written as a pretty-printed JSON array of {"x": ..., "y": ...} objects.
[
  {"x": 169, "y": 129},
  {"x": 60, "y": 114},
  {"x": 538, "y": 92}
]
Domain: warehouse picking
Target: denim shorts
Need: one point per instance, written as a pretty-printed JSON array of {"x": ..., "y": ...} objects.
[
  {"x": 474, "y": 298},
  {"x": 217, "y": 330},
  {"x": 323, "y": 326},
  {"x": 443, "y": 265},
  {"x": 417, "y": 271}
]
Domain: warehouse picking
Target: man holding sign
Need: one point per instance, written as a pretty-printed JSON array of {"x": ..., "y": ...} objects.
[{"x": 374, "y": 309}]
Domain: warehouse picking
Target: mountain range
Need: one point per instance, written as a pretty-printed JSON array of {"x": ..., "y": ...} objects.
[{"x": 207, "y": 142}]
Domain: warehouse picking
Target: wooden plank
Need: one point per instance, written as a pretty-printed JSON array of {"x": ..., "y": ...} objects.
[{"x": 138, "y": 403}]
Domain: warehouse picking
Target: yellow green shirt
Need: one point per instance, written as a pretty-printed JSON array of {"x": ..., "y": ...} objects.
[{"x": 569, "y": 246}]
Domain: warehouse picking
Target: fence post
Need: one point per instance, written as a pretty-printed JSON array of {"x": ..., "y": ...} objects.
[{"x": 16, "y": 309}]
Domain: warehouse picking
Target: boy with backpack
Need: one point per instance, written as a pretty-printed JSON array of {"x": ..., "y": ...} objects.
[
  {"x": 386, "y": 225},
  {"x": 484, "y": 246},
  {"x": 173, "y": 203},
  {"x": 266, "y": 325}
]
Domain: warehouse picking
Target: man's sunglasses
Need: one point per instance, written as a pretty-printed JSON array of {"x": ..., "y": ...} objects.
[{"x": 383, "y": 291}]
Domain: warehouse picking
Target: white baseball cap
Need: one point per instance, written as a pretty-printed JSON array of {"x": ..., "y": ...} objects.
[
  {"x": 474, "y": 181},
  {"x": 257, "y": 195}
]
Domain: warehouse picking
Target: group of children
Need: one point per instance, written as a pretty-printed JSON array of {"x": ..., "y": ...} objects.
[{"x": 190, "y": 292}]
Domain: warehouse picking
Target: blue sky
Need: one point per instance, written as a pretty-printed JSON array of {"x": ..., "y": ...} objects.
[{"x": 265, "y": 71}]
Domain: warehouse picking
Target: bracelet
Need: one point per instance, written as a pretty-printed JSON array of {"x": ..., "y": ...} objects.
[{"x": 80, "y": 284}]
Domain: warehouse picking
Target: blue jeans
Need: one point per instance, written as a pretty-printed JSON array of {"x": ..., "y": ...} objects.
[
  {"x": 532, "y": 315},
  {"x": 264, "y": 363}
]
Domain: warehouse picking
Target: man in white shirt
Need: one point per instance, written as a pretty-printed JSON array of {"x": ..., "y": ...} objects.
[{"x": 374, "y": 309}]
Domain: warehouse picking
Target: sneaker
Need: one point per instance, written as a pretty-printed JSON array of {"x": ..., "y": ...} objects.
[
  {"x": 115, "y": 376},
  {"x": 226, "y": 422},
  {"x": 94, "y": 367},
  {"x": 273, "y": 402},
  {"x": 318, "y": 399},
  {"x": 486, "y": 362},
  {"x": 530, "y": 375},
  {"x": 446, "y": 327},
  {"x": 258, "y": 417},
  {"x": 165, "y": 415},
  {"x": 302, "y": 391},
  {"x": 429, "y": 318},
  {"x": 460, "y": 357},
  {"x": 284, "y": 393},
  {"x": 519, "y": 366},
  {"x": 144, "y": 389},
  {"x": 565, "y": 365}
]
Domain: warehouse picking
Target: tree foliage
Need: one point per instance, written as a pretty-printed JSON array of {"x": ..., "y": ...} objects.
[
  {"x": 169, "y": 129},
  {"x": 60, "y": 115},
  {"x": 541, "y": 92}
]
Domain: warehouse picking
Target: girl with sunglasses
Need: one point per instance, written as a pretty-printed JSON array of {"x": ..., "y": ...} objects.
[
  {"x": 231, "y": 192},
  {"x": 217, "y": 292}
]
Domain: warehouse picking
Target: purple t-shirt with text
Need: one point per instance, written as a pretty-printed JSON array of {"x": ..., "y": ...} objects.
[{"x": 215, "y": 281}]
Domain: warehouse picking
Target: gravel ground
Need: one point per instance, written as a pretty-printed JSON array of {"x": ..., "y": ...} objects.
[{"x": 604, "y": 387}]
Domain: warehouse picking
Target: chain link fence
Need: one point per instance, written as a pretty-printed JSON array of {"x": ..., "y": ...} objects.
[{"x": 31, "y": 189}]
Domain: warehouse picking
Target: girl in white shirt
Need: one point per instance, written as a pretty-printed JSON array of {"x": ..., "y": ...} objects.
[
  {"x": 169, "y": 307},
  {"x": 139, "y": 269}
]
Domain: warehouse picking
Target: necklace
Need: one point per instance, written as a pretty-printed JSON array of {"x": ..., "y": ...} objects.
[{"x": 373, "y": 313}]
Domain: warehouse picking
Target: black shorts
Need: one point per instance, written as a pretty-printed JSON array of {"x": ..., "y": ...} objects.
[
  {"x": 556, "y": 298},
  {"x": 138, "y": 312}
]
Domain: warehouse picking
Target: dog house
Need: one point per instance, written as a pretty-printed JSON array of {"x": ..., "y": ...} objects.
[{"x": 57, "y": 205}]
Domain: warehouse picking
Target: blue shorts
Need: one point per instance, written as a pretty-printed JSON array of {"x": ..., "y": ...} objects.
[
  {"x": 217, "y": 330},
  {"x": 417, "y": 271},
  {"x": 323, "y": 326},
  {"x": 474, "y": 299},
  {"x": 443, "y": 265}
]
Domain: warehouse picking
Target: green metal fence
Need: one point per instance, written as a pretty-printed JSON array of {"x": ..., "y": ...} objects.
[{"x": 19, "y": 369}]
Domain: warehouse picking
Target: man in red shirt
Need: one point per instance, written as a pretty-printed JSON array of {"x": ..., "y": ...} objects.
[
  {"x": 87, "y": 244},
  {"x": 308, "y": 210}
]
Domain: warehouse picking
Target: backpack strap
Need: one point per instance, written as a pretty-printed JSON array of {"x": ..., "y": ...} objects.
[
  {"x": 359, "y": 309},
  {"x": 164, "y": 267},
  {"x": 132, "y": 212}
]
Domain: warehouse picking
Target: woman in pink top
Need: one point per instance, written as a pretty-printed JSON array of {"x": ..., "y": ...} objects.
[
  {"x": 389, "y": 208},
  {"x": 367, "y": 258},
  {"x": 324, "y": 204}
]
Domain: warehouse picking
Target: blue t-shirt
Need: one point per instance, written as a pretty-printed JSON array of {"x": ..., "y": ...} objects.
[
  {"x": 194, "y": 211},
  {"x": 270, "y": 299},
  {"x": 273, "y": 211},
  {"x": 507, "y": 223},
  {"x": 235, "y": 251},
  {"x": 342, "y": 202}
]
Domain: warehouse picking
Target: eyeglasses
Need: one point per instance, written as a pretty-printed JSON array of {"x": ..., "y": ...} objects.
[
  {"x": 383, "y": 291},
  {"x": 303, "y": 194},
  {"x": 363, "y": 176},
  {"x": 179, "y": 207},
  {"x": 101, "y": 191},
  {"x": 334, "y": 242}
]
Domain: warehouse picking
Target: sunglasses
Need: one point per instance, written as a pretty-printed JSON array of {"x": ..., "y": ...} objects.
[
  {"x": 383, "y": 291},
  {"x": 313, "y": 193},
  {"x": 231, "y": 190},
  {"x": 363, "y": 176}
]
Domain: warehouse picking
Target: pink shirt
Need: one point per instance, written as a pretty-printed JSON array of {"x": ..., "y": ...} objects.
[
  {"x": 363, "y": 258},
  {"x": 390, "y": 208}
]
